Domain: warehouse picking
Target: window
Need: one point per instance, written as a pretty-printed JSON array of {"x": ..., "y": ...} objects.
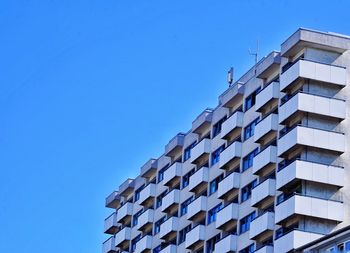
[
  {"x": 249, "y": 249},
  {"x": 134, "y": 241},
  {"x": 248, "y": 159},
  {"x": 211, "y": 243},
  {"x": 332, "y": 249},
  {"x": 182, "y": 234},
  {"x": 161, "y": 173},
  {"x": 213, "y": 185},
  {"x": 212, "y": 213},
  {"x": 343, "y": 247},
  {"x": 187, "y": 152},
  {"x": 160, "y": 199},
  {"x": 157, "y": 225},
  {"x": 186, "y": 178},
  {"x": 184, "y": 205},
  {"x": 137, "y": 193},
  {"x": 215, "y": 156},
  {"x": 246, "y": 191},
  {"x": 136, "y": 217},
  {"x": 244, "y": 224},
  {"x": 217, "y": 127},
  {"x": 250, "y": 100},
  {"x": 157, "y": 249},
  {"x": 249, "y": 130}
]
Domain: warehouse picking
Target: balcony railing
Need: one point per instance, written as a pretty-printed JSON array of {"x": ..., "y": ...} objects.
[
  {"x": 314, "y": 70},
  {"x": 306, "y": 205}
]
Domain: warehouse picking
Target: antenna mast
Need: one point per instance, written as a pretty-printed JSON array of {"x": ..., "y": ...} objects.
[
  {"x": 230, "y": 76},
  {"x": 256, "y": 53}
]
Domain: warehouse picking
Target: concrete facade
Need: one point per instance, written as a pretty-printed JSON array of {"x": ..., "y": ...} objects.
[{"x": 264, "y": 171}]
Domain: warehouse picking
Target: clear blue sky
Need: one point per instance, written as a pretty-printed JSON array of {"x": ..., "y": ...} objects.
[{"x": 90, "y": 90}]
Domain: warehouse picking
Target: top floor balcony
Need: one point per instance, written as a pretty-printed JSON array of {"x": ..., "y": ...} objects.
[
  {"x": 203, "y": 121},
  {"x": 113, "y": 200},
  {"x": 232, "y": 96},
  {"x": 303, "y": 38},
  {"x": 126, "y": 188},
  {"x": 149, "y": 169},
  {"x": 175, "y": 145}
]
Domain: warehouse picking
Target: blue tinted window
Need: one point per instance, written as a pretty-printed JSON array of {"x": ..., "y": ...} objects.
[
  {"x": 212, "y": 213},
  {"x": 244, "y": 223},
  {"x": 248, "y": 159}
]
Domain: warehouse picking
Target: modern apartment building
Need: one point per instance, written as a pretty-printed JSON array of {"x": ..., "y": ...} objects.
[
  {"x": 265, "y": 171},
  {"x": 336, "y": 242}
]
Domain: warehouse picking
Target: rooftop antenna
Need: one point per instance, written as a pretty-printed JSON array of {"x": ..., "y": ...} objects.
[
  {"x": 230, "y": 76},
  {"x": 256, "y": 53}
]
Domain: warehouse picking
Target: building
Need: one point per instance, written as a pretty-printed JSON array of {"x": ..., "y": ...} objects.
[
  {"x": 336, "y": 242},
  {"x": 262, "y": 172}
]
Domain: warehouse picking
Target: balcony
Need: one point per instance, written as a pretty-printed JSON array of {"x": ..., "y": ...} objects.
[
  {"x": 172, "y": 174},
  {"x": 312, "y": 70},
  {"x": 294, "y": 240},
  {"x": 228, "y": 187},
  {"x": 265, "y": 249},
  {"x": 145, "y": 220},
  {"x": 169, "y": 249},
  {"x": 230, "y": 155},
  {"x": 175, "y": 145},
  {"x": 310, "y": 171},
  {"x": 263, "y": 194},
  {"x": 227, "y": 217},
  {"x": 197, "y": 208},
  {"x": 267, "y": 96},
  {"x": 268, "y": 65},
  {"x": 199, "y": 179},
  {"x": 265, "y": 161},
  {"x": 109, "y": 246},
  {"x": 311, "y": 137},
  {"x": 124, "y": 212},
  {"x": 266, "y": 129},
  {"x": 203, "y": 121},
  {"x": 303, "y": 38},
  {"x": 262, "y": 225},
  {"x": 113, "y": 200},
  {"x": 171, "y": 201},
  {"x": 315, "y": 207},
  {"x": 169, "y": 228},
  {"x": 195, "y": 237},
  {"x": 144, "y": 244},
  {"x": 227, "y": 244},
  {"x": 122, "y": 238},
  {"x": 126, "y": 188},
  {"x": 231, "y": 128},
  {"x": 147, "y": 194},
  {"x": 200, "y": 151},
  {"x": 111, "y": 224},
  {"x": 233, "y": 96},
  {"x": 302, "y": 103},
  {"x": 149, "y": 169}
]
